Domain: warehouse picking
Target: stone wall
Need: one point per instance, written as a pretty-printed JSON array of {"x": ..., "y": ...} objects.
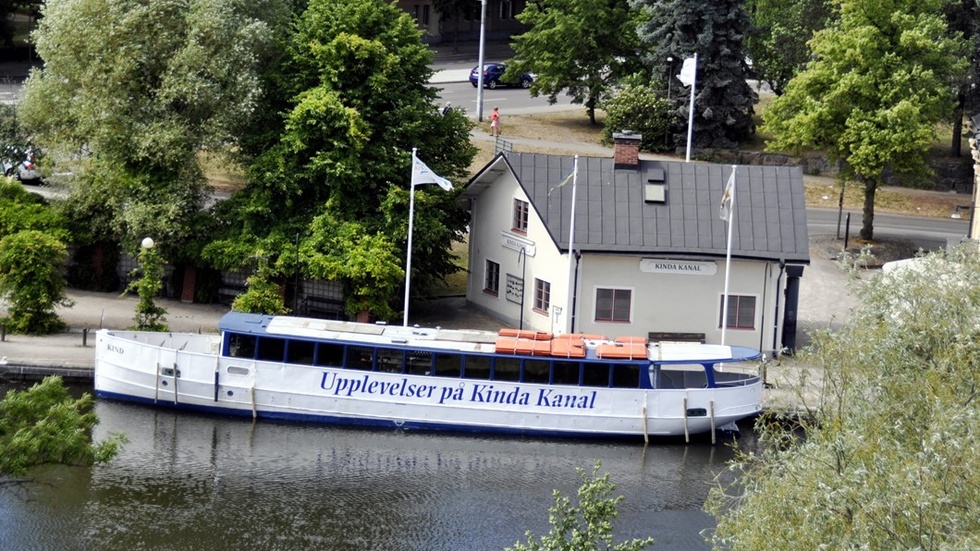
[{"x": 951, "y": 174}]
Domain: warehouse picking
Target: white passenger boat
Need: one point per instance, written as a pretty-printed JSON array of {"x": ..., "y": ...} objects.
[{"x": 520, "y": 382}]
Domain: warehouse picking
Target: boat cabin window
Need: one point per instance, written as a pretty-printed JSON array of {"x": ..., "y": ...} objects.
[
  {"x": 595, "y": 375},
  {"x": 360, "y": 357},
  {"x": 241, "y": 346},
  {"x": 626, "y": 376},
  {"x": 507, "y": 369},
  {"x": 300, "y": 352},
  {"x": 449, "y": 365},
  {"x": 391, "y": 360},
  {"x": 476, "y": 367},
  {"x": 329, "y": 354},
  {"x": 418, "y": 363},
  {"x": 271, "y": 349},
  {"x": 537, "y": 371},
  {"x": 566, "y": 373}
]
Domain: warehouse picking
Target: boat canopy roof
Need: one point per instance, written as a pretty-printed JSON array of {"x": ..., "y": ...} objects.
[{"x": 505, "y": 342}]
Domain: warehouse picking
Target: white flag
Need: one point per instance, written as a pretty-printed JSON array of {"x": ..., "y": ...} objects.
[
  {"x": 728, "y": 196},
  {"x": 422, "y": 174},
  {"x": 688, "y": 71}
]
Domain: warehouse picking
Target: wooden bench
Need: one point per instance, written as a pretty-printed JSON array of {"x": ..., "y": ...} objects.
[{"x": 667, "y": 336}]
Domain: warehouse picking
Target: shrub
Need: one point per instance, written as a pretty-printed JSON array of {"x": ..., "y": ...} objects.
[{"x": 641, "y": 110}]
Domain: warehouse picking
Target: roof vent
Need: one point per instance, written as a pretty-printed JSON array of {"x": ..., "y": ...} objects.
[{"x": 655, "y": 190}]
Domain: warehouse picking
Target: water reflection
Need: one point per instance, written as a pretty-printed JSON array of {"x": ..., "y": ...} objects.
[{"x": 192, "y": 482}]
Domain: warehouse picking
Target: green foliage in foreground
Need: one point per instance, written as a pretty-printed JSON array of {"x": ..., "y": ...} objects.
[
  {"x": 32, "y": 281},
  {"x": 586, "y": 527},
  {"x": 45, "y": 425},
  {"x": 891, "y": 441},
  {"x": 149, "y": 315}
]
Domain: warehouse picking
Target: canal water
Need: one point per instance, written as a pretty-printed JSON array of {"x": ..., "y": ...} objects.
[{"x": 189, "y": 482}]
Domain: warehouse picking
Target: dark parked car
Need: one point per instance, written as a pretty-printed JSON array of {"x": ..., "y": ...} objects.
[{"x": 492, "y": 73}]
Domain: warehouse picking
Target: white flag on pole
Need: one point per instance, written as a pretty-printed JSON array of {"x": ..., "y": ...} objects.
[
  {"x": 726, "y": 198},
  {"x": 422, "y": 174},
  {"x": 688, "y": 71}
]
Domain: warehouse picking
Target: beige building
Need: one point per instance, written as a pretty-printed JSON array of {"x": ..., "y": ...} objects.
[{"x": 649, "y": 247}]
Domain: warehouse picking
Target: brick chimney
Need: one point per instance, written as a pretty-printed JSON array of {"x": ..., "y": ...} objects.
[{"x": 626, "y": 149}]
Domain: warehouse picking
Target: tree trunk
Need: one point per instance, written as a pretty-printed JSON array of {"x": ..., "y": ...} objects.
[
  {"x": 954, "y": 149},
  {"x": 590, "y": 108},
  {"x": 867, "y": 228}
]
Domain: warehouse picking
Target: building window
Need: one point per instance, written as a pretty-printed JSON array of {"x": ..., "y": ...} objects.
[
  {"x": 542, "y": 295},
  {"x": 613, "y": 305},
  {"x": 520, "y": 216},
  {"x": 491, "y": 282},
  {"x": 741, "y": 312},
  {"x": 506, "y": 9}
]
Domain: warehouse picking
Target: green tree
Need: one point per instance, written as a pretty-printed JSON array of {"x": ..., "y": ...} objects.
[
  {"x": 873, "y": 93},
  {"x": 262, "y": 294},
  {"x": 586, "y": 526},
  {"x": 44, "y": 425},
  {"x": 149, "y": 316},
  {"x": 357, "y": 78},
  {"x": 963, "y": 16},
  {"x": 715, "y": 31},
  {"x": 641, "y": 110},
  {"x": 32, "y": 267},
  {"x": 777, "y": 43},
  {"x": 887, "y": 458},
  {"x": 576, "y": 47},
  {"x": 144, "y": 86}
]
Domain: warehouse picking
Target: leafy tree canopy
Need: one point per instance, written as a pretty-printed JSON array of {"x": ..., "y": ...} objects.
[
  {"x": 889, "y": 455},
  {"x": 577, "y": 47},
  {"x": 44, "y": 425},
  {"x": 143, "y": 87},
  {"x": 357, "y": 76},
  {"x": 777, "y": 43},
  {"x": 32, "y": 281},
  {"x": 715, "y": 31},
  {"x": 871, "y": 97}
]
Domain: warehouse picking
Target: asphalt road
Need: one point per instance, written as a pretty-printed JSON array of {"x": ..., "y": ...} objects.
[
  {"x": 512, "y": 101},
  {"x": 925, "y": 232}
]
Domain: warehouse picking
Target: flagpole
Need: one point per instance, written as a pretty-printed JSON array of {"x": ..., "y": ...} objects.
[
  {"x": 728, "y": 259},
  {"x": 571, "y": 250},
  {"x": 690, "y": 116},
  {"x": 408, "y": 260}
]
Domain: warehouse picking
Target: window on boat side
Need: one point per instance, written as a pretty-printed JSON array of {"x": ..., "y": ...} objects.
[
  {"x": 449, "y": 365},
  {"x": 537, "y": 371},
  {"x": 626, "y": 376},
  {"x": 418, "y": 362},
  {"x": 391, "y": 360},
  {"x": 476, "y": 367},
  {"x": 329, "y": 354},
  {"x": 566, "y": 373},
  {"x": 241, "y": 346},
  {"x": 360, "y": 357},
  {"x": 300, "y": 352},
  {"x": 507, "y": 369},
  {"x": 271, "y": 349},
  {"x": 595, "y": 374}
]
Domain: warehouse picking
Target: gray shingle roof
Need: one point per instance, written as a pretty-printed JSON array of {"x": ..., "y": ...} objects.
[{"x": 613, "y": 217}]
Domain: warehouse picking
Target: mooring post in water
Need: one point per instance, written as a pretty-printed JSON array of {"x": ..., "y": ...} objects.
[
  {"x": 84, "y": 337},
  {"x": 687, "y": 436},
  {"x": 711, "y": 409}
]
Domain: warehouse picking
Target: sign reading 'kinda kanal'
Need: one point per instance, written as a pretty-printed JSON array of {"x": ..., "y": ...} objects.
[{"x": 682, "y": 267}]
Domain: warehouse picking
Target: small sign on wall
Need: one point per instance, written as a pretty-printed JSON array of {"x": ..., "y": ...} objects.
[
  {"x": 515, "y": 243},
  {"x": 680, "y": 267},
  {"x": 515, "y": 288}
]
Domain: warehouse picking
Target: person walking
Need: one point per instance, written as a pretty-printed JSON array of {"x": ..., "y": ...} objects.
[{"x": 495, "y": 122}]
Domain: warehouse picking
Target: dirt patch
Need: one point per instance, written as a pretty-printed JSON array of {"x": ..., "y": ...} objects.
[{"x": 867, "y": 254}]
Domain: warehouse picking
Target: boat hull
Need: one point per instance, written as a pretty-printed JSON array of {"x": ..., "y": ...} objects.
[{"x": 185, "y": 371}]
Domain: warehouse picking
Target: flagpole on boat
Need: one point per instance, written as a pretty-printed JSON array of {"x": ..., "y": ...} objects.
[
  {"x": 571, "y": 250},
  {"x": 408, "y": 257},
  {"x": 728, "y": 196}
]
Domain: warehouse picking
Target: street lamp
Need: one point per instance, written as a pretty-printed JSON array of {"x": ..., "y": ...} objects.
[
  {"x": 147, "y": 243},
  {"x": 522, "y": 258},
  {"x": 479, "y": 70}
]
